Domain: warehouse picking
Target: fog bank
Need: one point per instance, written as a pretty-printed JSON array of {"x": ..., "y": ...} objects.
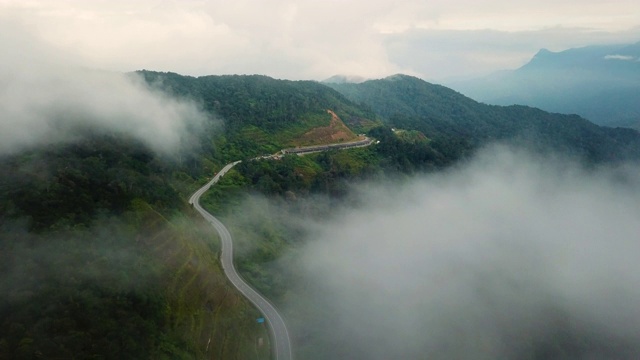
[
  {"x": 46, "y": 99},
  {"x": 508, "y": 256}
]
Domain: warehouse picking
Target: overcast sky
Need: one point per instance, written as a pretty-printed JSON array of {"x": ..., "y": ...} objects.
[{"x": 314, "y": 39}]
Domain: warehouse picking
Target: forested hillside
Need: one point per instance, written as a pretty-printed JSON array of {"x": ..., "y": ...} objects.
[
  {"x": 411, "y": 103},
  {"x": 262, "y": 115},
  {"x": 101, "y": 257}
]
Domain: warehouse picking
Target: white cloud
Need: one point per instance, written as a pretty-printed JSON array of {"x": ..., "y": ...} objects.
[
  {"x": 45, "y": 98},
  {"x": 619, "y": 57},
  {"x": 506, "y": 257},
  {"x": 310, "y": 38},
  {"x": 440, "y": 54}
]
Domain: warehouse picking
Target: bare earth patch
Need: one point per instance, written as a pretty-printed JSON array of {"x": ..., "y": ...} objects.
[{"x": 336, "y": 132}]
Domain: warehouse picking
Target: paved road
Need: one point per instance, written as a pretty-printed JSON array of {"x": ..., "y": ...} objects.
[
  {"x": 336, "y": 146},
  {"x": 280, "y": 341}
]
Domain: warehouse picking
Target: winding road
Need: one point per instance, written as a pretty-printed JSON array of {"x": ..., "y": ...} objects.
[{"x": 281, "y": 344}]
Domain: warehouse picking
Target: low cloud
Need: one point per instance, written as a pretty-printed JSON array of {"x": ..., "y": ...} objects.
[
  {"x": 619, "y": 57},
  {"x": 508, "y": 256},
  {"x": 45, "y": 99}
]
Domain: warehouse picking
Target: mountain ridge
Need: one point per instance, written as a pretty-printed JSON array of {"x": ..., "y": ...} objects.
[
  {"x": 600, "y": 83},
  {"x": 159, "y": 275},
  {"x": 435, "y": 109}
]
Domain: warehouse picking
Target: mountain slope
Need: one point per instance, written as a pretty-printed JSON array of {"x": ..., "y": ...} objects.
[
  {"x": 99, "y": 256},
  {"x": 99, "y": 259},
  {"x": 437, "y": 111},
  {"x": 261, "y": 114},
  {"x": 600, "y": 83}
]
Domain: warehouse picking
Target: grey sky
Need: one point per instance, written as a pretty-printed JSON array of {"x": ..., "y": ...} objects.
[{"x": 314, "y": 39}]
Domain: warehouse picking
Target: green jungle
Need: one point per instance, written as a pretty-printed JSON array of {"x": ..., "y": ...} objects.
[{"x": 103, "y": 258}]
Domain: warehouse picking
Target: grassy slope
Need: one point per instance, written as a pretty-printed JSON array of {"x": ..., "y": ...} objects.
[{"x": 203, "y": 310}]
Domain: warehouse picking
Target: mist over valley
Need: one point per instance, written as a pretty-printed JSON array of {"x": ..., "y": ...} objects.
[
  {"x": 510, "y": 255},
  {"x": 378, "y": 215}
]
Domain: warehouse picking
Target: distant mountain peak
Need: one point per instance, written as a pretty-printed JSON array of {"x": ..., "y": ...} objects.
[
  {"x": 398, "y": 77},
  {"x": 598, "y": 82},
  {"x": 344, "y": 79},
  {"x": 543, "y": 52},
  {"x": 543, "y": 55}
]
